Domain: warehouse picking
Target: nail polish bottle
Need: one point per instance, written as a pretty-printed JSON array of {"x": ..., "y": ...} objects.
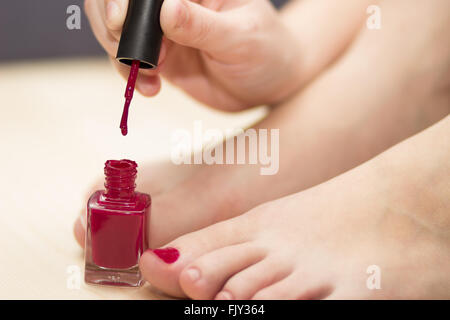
[{"x": 116, "y": 228}]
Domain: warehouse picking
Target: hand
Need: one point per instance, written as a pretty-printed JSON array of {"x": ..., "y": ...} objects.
[{"x": 228, "y": 54}]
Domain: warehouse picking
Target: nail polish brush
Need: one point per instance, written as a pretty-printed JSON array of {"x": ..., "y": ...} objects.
[{"x": 140, "y": 45}]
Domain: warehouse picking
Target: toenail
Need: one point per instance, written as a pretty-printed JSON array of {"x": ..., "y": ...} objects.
[
  {"x": 224, "y": 295},
  {"x": 193, "y": 274},
  {"x": 168, "y": 255}
]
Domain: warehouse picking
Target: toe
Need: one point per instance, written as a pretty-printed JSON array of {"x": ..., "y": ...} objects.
[
  {"x": 339, "y": 295},
  {"x": 295, "y": 287},
  {"x": 282, "y": 290},
  {"x": 165, "y": 276},
  {"x": 245, "y": 284},
  {"x": 79, "y": 229},
  {"x": 204, "y": 277},
  {"x": 161, "y": 271}
]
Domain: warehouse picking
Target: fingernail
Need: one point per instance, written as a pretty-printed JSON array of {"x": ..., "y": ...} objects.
[
  {"x": 112, "y": 10},
  {"x": 224, "y": 295},
  {"x": 168, "y": 255},
  {"x": 193, "y": 274}
]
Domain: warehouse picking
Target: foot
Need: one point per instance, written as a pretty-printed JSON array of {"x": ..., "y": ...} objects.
[
  {"x": 321, "y": 243},
  {"x": 324, "y": 131}
]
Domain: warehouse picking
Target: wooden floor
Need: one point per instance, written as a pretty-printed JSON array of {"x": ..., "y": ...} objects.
[{"x": 59, "y": 123}]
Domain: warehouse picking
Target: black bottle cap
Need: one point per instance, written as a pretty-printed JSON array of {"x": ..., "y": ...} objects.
[{"x": 141, "y": 35}]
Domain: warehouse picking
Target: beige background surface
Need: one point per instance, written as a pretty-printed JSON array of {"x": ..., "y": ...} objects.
[{"x": 59, "y": 123}]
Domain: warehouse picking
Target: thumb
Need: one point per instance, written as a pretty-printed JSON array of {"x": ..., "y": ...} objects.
[{"x": 192, "y": 25}]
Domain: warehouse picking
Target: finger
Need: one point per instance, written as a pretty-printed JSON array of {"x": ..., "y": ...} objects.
[
  {"x": 109, "y": 39},
  {"x": 96, "y": 15},
  {"x": 115, "y": 13},
  {"x": 149, "y": 86},
  {"x": 148, "y": 83},
  {"x": 190, "y": 24}
]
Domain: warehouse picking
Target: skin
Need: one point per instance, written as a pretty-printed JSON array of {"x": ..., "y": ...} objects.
[
  {"x": 323, "y": 135},
  {"x": 222, "y": 72},
  {"x": 228, "y": 73},
  {"x": 159, "y": 179},
  {"x": 319, "y": 243},
  {"x": 331, "y": 141}
]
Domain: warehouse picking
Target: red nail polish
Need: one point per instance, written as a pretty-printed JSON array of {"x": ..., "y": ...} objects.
[
  {"x": 116, "y": 228},
  {"x": 132, "y": 78},
  {"x": 139, "y": 45},
  {"x": 168, "y": 255}
]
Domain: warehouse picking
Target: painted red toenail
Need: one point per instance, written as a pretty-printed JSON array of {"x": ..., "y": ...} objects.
[{"x": 168, "y": 255}]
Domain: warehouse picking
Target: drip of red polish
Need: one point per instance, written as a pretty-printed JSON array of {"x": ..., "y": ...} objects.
[
  {"x": 168, "y": 255},
  {"x": 134, "y": 72}
]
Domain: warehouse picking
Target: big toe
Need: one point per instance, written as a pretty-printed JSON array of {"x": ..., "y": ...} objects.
[
  {"x": 162, "y": 267},
  {"x": 205, "y": 277},
  {"x": 79, "y": 231}
]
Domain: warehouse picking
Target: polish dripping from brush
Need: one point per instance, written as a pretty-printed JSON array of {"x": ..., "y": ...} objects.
[
  {"x": 134, "y": 72},
  {"x": 140, "y": 45}
]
